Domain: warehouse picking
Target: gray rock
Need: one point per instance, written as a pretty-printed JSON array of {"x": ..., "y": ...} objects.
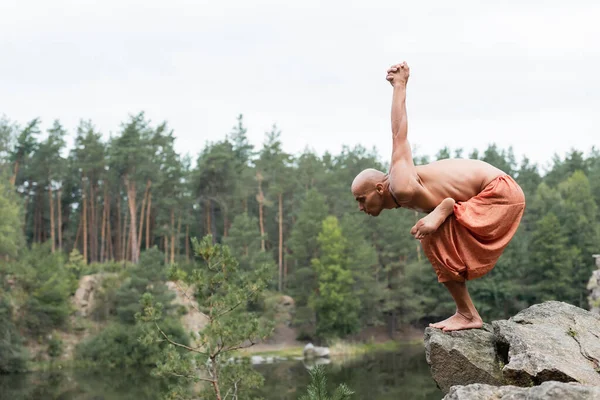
[
  {"x": 552, "y": 341},
  {"x": 311, "y": 351},
  {"x": 546, "y": 391},
  {"x": 462, "y": 357}
]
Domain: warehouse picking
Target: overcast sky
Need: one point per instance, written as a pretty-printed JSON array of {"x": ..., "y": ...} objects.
[{"x": 519, "y": 73}]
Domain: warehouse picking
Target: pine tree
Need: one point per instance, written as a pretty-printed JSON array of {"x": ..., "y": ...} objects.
[
  {"x": 223, "y": 292},
  {"x": 335, "y": 303},
  {"x": 317, "y": 390}
]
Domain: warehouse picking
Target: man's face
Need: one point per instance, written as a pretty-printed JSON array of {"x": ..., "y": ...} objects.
[{"x": 370, "y": 201}]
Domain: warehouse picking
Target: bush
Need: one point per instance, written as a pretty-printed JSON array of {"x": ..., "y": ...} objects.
[
  {"x": 118, "y": 346},
  {"x": 13, "y": 355},
  {"x": 48, "y": 284},
  {"x": 55, "y": 347},
  {"x": 148, "y": 276}
]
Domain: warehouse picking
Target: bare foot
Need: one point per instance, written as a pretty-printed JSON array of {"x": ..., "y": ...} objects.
[
  {"x": 433, "y": 220},
  {"x": 460, "y": 321},
  {"x": 441, "y": 324}
]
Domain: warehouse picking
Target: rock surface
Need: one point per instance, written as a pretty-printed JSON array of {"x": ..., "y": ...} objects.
[
  {"x": 552, "y": 341},
  {"x": 462, "y": 357},
  {"x": 83, "y": 300},
  {"x": 192, "y": 320},
  {"x": 546, "y": 391},
  {"x": 311, "y": 351}
]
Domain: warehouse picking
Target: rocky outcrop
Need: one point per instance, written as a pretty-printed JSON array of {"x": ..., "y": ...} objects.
[
  {"x": 463, "y": 356},
  {"x": 546, "y": 391},
  {"x": 594, "y": 288},
  {"x": 192, "y": 319},
  {"x": 552, "y": 341},
  {"x": 83, "y": 300}
]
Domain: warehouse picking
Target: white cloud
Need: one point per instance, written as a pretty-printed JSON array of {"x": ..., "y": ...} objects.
[{"x": 517, "y": 73}]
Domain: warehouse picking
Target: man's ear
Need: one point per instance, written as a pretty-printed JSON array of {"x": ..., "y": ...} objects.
[{"x": 379, "y": 188}]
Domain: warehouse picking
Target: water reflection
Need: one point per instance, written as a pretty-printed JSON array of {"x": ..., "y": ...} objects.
[
  {"x": 400, "y": 375},
  {"x": 403, "y": 374}
]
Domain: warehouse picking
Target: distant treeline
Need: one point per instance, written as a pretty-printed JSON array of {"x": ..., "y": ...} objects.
[{"x": 112, "y": 199}]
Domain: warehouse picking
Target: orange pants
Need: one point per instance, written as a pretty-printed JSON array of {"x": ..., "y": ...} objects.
[{"x": 469, "y": 243}]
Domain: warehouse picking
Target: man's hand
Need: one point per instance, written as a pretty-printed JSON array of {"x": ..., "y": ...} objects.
[{"x": 398, "y": 74}]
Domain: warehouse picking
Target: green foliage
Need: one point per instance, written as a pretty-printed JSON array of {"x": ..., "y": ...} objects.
[
  {"x": 118, "y": 346},
  {"x": 13, "y": 356},
  {"x": 335, "y": 303},
  {"x": 223, "y": 292},
  {"x": 55, "y": 347},
  {"x": 48, "y": 286},
  {"x": 11, "y": 231},
  {"x": 148, "y": 276},
  {"x": 317, "y": 390}
]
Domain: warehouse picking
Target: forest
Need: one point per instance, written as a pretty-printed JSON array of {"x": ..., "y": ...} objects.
[{"x": 131, "y": 203}]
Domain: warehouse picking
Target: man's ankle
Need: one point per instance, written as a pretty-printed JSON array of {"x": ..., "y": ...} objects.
[{"x": 466, "y": 314}]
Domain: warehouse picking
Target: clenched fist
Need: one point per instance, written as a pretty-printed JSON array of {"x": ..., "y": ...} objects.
[{"x": 398, "y": 74}]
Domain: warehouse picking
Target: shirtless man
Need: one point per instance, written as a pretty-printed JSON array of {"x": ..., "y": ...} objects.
[{"x": 473, "y": 208}]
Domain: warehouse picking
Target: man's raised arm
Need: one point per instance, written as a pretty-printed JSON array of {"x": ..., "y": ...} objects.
[{"x": 398, "y": 75}]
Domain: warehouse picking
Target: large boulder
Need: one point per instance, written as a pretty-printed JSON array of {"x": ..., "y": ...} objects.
[
  {"x": 83, "y": 300},
  {"x": 552, "y": 341},
  {"x": 462, "y": 357},
  {"x": 546, "y": 391}
]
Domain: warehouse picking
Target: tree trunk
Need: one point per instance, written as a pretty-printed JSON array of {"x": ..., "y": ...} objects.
[
  {"x": 59, "y": 195},
  {"x": 109, "y": 238},
  {"x": 25, "y": 208},
  {"x": 52, "y": 237},
  {"x": 280, "y": 242},
  {"x": 261, "y": 199},
  {"x": 215, "y": 377},
  {"x": 132, "y": 211},
  {"x": 187, "y": 242},
  {"x": 178, "y": 248},
  {"x": 285, "y": 268},
  {"x": 146, "y": 193},
  {"x": 119, "y": 228},
  {"x": 84, "y": 227},
  {"x": 166, "y": 247},
  {"x": 13, "y": 178},
  {"x": 172, "y": 236},
  {"x": 77, "y": 234},
  {"x": 124, "y": 237},
  {"x": 208, "y": 221},
  {"x": 92, "y": 223},
  {"x": 148, "y": 221},
  {"x": 103, "y": 229}
]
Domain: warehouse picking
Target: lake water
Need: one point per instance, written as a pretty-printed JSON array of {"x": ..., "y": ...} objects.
[{"x": 402, "y": 374}]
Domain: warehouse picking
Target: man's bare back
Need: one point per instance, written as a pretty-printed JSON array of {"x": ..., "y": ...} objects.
[{"x": 459, "y": 179}]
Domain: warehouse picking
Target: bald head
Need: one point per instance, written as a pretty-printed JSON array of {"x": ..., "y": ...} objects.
[{"x": 366, "y": 180}]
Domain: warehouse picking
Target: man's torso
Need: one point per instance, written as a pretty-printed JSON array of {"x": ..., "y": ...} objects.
[{"x": 459, "y": 179}]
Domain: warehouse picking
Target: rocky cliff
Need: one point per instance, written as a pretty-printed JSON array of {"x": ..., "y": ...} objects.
[{"x": 552, "y": 341}]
